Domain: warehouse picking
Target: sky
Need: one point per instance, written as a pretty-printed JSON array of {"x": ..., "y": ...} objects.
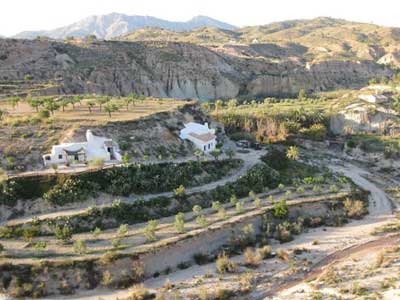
[{"x": 21, "y": 15}]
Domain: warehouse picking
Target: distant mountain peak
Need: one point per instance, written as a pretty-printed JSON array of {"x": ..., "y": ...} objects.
[{"x": 116, "y": 24}]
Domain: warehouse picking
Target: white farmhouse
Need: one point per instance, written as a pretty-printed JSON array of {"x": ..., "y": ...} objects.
[
  {"x": 378, "y": 98},
  {"x": 94, "y": 148},
  {"x": 200, "y": 135}
]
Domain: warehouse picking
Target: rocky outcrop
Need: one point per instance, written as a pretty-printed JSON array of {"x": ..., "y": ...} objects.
[
  {"x": 176, "y": 70},
  {"x": 365, "y": 118},
  {"x": 392, "y": 59}
]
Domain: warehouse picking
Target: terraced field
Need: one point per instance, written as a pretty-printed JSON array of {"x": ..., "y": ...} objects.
[{"x": 127, "y": 241}]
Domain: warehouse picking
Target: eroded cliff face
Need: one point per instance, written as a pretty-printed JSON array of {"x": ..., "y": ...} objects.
[
  {"x": 365, "y": 118},
  {"x": 175, "y": 70}
]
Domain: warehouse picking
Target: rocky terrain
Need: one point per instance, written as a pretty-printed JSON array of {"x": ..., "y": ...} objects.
[{"x": 169, "y": 69}]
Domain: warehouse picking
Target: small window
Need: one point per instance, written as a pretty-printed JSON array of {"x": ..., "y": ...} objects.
[
  {"x": 59, "y": 156},
  {"x": 209, "y": 146},
  {"x": 205, "y": 148},
  {"x": 47, "y": 158}
]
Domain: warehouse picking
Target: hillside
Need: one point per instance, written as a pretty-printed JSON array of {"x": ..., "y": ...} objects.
[
  {"x": 115, "y": 24},
  {"x": 316, "y": 39},
  {"x": 145, "y": 127},
  {"x": 203, "y": 36},
  {"x": 174, "y": 70}
]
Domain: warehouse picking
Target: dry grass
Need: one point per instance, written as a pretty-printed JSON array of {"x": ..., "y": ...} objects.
[
  {"x": 225, "y": 265},
  {"x": 81, "y": 111},
  {"x": 252, "y": 258},
  {"x": 283, "y": 255},
  {"x": 138, "y": 292}
]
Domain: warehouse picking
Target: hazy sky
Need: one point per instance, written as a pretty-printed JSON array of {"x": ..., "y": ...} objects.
[{"x": 20, "y": 15}]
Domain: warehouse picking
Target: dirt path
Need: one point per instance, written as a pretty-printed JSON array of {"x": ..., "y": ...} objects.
[
  {"x": 380, "y": 204},
  {"x": 342, "y": 242},
  {"x": 249, "y": 160}
]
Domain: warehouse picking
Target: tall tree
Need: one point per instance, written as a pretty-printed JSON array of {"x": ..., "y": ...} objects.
[
  {"x": 35, "y": 103},
  {"x": 127, "y": 101},
  {"x": 64, "y": 103},
  {"x": 90, "y": 105},
  {"x": 110, "y": 108},
  {"x": 101, "y": 101},
  {"x": 51, "y": 106}
]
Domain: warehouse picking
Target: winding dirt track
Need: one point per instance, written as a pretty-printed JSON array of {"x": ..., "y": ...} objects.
[{"x": 380, "y": 210}]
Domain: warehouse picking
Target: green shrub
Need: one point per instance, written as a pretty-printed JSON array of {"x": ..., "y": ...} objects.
[
  {"x": 96, "y": 232},
  {"x": 40, "y": 245},
  {"x": 72, "y": 190},
  {"x": 197, "y": 210},
  {"x": 8, "y": 192},
  {"x": 233, "y": 200},
  {"x": 80, "y": 247},
  {"x": 122, "y": 230},
  {"x": 256, "y": 179},
  {"x": 280, "y": 210},
  {"x": 239, "y": 207},
  {"x": 276, "y": 159},
  {"x": 316, "y": 132},
  {"x": 150, "y": 230},
  {"x": 29, "y": 233},
  {"x": 201, "y": 221},
  {"x": 333, "y": 188},
  {"x": 44, "y": 114},
  {"x": 180, "y": 222},
  {"x": 351, "y": 144},
  {"x": 121, "y": 181},
  {"x": 63, "y": 233}
]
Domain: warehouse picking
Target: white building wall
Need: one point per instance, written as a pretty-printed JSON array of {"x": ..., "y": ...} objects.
[
  {"x": 206, "y": 147},
  {"x": 94, "y": 147},
  {"x": 199, "y": 129}
]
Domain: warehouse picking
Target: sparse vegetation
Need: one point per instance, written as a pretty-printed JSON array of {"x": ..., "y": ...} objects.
[{"x": 225, "y": 265}]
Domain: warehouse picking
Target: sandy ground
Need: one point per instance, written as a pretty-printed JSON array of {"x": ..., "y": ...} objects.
[
  {"x": 274, "y": 273},
  {"x": 370, "y": 269}
]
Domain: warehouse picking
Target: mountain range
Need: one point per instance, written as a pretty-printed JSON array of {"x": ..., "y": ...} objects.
[
  {"x": 115, "y": 24},
  {"x": 316, "y": 39}
]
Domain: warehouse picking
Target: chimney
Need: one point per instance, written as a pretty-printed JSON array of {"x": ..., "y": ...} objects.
[{"x": 206, "y": 124}]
